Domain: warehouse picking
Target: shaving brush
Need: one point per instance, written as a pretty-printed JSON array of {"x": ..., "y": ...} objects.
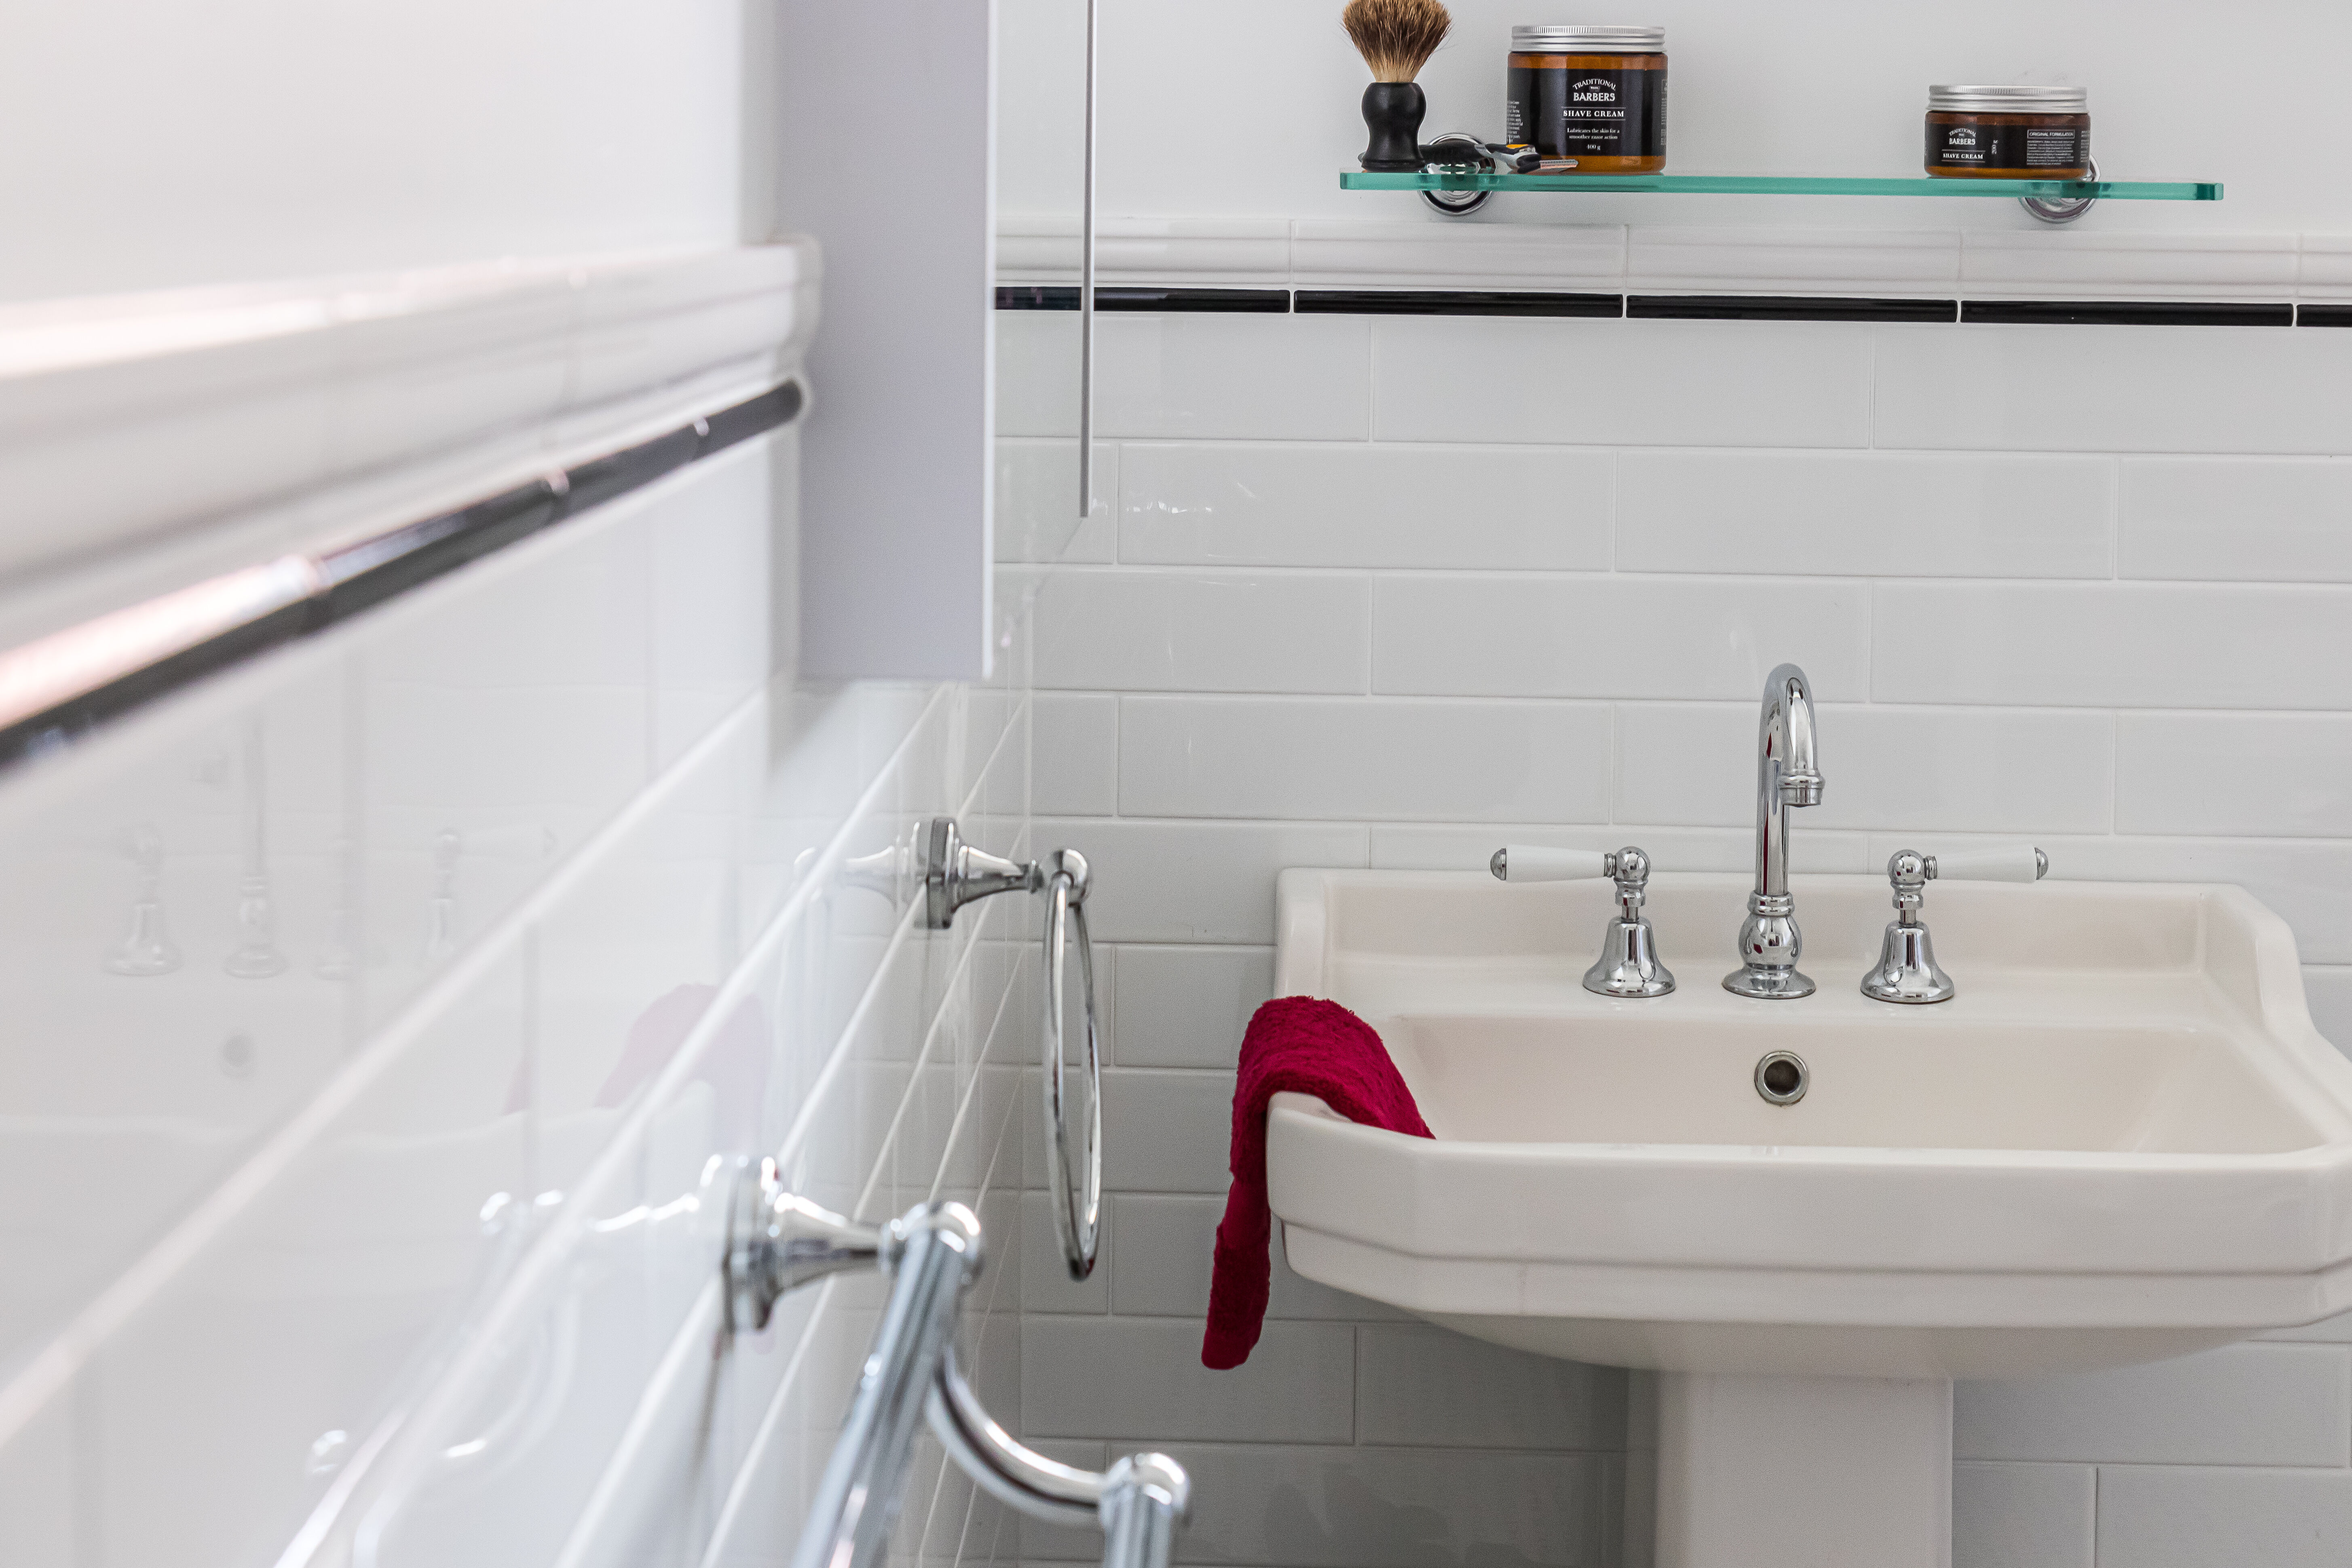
[{"x": 1396, "y": 39}]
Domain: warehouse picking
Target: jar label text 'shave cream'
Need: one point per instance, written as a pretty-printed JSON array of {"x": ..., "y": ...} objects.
[
  {"x": 1587, "y": 113},
  {"x": 1983, "y": 146}
]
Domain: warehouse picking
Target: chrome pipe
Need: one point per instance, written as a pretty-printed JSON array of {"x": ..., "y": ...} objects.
[
  {"x": 1145, "y": 1498},
  {"x": 1014, "y": 1475},
  {"x": 779, "y": 1241},
  {"x": 857, "y": 1500}
]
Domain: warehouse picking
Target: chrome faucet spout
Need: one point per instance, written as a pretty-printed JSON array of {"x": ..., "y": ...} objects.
[{"x": 1787, "y": 773}]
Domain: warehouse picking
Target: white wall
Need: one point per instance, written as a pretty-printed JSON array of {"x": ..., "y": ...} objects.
[
  {"x": 158, "y": 145},
  {"x": 1391, "y": 591}
]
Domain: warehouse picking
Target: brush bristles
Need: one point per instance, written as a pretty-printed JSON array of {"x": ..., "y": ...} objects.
[{"x": 1396, "y": 37}]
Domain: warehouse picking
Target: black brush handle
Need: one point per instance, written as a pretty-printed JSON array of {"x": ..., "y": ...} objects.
[{"x": 1392, "y": 110}]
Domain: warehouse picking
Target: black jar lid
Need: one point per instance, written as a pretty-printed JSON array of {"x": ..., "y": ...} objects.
[
  {"x": 1593, "y": 40},
  {"x": 2008, "y": 99}
]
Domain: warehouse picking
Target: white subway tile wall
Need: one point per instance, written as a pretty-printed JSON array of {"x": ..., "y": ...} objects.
[
  {"x": 418, "y": 1238},
  {"x": 1392, "y": 590}
]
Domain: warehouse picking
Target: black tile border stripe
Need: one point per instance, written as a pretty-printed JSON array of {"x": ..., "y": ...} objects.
[
  {"x": 1452, "y": 302},
  {"x": 348, "y": 582},
  {"x": 1680, "y": 307},
  {"x": 1036, "y": 297},
  {"x": 2128, "y": 313},
  {"x": 1246, "y": 301},
  {"x": 1786, "y": 307},
  {"x": 1065, "y": 296}
]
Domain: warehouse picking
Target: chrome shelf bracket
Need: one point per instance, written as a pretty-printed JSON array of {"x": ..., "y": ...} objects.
[{"x": 2063, "y": 209}]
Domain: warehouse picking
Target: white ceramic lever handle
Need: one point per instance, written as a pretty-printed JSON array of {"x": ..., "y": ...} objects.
[
  {"x": 1534, "y": 863},
  {"x": 2017, "y": 864}
]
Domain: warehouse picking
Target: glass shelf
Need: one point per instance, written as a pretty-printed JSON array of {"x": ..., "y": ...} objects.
[{"x": 1793, "y": 185}]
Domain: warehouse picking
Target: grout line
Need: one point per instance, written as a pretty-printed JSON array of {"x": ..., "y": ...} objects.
[
  {"x": 2115, "y": 773},
  {"x": 1117, "y": 503},
  {"x": 1616, "y": 510},
  {"x": 1848, "y": 704},
  {"x": 1355, "y": 1387},
  {"x": 1225, "y": 570},
  {"x": 1870, "y": 394},
  {"x": 1715, "y": 448},
  {"x": 2115, "y": 520},
  {"x": 1616, "y": 753},
  {"x": 2097, "y": 1480}
]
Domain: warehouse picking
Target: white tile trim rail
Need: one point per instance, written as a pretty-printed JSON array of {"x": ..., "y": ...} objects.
[
  {"x": 127, "y": 420},
  {"x": 1310, "y": 253}
]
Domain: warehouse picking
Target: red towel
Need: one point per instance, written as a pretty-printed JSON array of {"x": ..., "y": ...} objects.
[{"x": 1306, "y": 1046}]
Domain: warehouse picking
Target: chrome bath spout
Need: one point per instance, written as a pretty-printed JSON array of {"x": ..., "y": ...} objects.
[{"x": 1787, "y": 773}]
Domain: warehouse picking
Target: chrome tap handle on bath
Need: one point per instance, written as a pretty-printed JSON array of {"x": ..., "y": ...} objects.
[
  {"x": 1907, "y": 970},
  {"x": 1787, "y": 773},
  {"x": 1628, "y": 965}
]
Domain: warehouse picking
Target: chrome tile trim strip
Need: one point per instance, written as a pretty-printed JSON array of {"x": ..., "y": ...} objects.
[{"x": 57, "y": 689}]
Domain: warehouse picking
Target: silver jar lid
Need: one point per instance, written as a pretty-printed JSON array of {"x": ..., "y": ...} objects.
[
  {"x": 2008, "y": 99},
  {"x": 1601, "y": 40}
]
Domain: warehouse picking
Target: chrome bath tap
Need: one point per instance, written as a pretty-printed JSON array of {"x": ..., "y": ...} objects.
[{"x": 1787, "y": 774}]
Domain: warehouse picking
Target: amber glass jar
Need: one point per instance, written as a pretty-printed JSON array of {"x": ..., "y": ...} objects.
[
  {"x": 1589, "y": 100},
  {"x": 2008, "y": 132}
]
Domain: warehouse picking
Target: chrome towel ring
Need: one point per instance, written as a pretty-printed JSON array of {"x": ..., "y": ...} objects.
[
  {"x": 952, "y": 874},
  {"x": 1077, "y": 1204}
]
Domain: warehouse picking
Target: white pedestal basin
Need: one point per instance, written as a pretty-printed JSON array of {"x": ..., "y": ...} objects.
[{"x": 2121, "y": 1141}]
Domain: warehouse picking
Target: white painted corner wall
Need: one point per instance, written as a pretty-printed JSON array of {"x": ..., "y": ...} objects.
[{"x": 895, "y": 482}]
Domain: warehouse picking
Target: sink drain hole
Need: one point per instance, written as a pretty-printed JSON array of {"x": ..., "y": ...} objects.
[{"x": 1781, "y": 1076}]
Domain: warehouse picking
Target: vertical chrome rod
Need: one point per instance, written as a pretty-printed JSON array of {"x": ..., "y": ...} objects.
[
  {"x": 1145, "y": 1497},
  {"x": 1087, "y": 295},
  {"x": 857, "y": 1502}
]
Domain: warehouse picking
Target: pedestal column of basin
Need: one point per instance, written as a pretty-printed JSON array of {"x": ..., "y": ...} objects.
[{"x": 1804, "y": 1472}]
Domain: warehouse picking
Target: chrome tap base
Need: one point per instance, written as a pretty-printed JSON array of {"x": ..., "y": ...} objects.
[
  {"x": 1770, "y": 943},
  {"x": 1769, "y": 984},
  {"x": 1907, "y": 969},
  {"x": 1629, "y": 964}
]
